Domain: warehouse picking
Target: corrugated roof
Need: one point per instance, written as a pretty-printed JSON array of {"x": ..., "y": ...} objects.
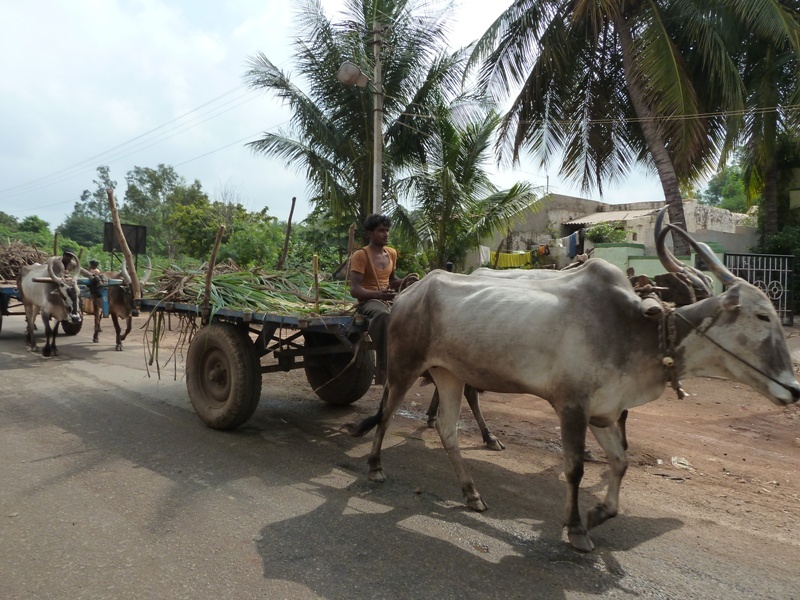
[{"x": 614, "y": 215}]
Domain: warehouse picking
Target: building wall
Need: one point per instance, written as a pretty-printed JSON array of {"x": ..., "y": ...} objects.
[
  {"x": 619, "y": 254},
  {"x": 732, "y": 232}
]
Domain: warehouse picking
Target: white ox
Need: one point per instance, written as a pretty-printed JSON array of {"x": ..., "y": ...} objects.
[
  {"x": 699, "y": 282},
  {"x": 45, "y": 289},
  {"x": 500, "y": 336},
  {"x": 470, "y": 393}
]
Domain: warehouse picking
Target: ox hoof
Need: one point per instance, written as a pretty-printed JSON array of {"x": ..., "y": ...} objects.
[
  {"x": 377, "y": 476},
  {"x": 494, "y": 444},
  {"x": 431, "y": 422},
  {"x": 477, "y": 505},
  {"x": 47, "y": 352},
  {"x": 598, "y": 515},
  {"x": 95, "y": 339},
  {"x": 118, "y": 347},
  {"x": 580, "y": 540}
]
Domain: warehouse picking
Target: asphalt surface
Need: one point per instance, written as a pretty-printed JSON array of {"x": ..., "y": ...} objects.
[{"x": 111, "y": 487}]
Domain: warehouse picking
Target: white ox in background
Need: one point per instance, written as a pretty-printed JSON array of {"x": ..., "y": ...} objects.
[
  {"x": 500, "y": 336},
  {"x": 45, "y": 289}
]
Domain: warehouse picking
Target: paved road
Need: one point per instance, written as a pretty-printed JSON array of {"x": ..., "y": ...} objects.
[{"x": 112, "y": 488}]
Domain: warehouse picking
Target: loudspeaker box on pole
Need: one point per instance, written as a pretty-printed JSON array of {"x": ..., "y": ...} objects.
[{"x": 135, "y": 235}]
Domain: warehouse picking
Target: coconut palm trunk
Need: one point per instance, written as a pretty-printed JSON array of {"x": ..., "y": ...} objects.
[{"x": 654, "y": 140}]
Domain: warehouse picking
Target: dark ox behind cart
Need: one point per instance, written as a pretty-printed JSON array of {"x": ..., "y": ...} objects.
[{"x": 232, "y": 349}]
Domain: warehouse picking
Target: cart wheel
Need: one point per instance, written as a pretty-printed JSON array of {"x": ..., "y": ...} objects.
[
  {"x": 70, "y": 328},
  {"x": 1, "y": 321},
  {"x": 223, "y": 376},
  {"x": 332, "y": 377}
]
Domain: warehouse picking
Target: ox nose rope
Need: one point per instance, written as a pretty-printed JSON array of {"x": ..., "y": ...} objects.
[{"x": 669, "y": 347}]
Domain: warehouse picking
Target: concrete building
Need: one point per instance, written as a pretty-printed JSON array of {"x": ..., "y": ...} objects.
[{"x": 559, "y": 221}]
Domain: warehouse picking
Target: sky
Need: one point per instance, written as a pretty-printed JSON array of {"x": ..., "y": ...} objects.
[{"x": 85, "y": 83}]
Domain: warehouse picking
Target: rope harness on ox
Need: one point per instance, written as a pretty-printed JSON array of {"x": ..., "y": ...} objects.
[{"x": 667, "y": 337}]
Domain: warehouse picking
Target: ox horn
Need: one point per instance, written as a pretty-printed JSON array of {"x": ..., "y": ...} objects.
[
  {"x": 668, "y": 260},
  {"x": 714, "y": 264},
  {"x": 126, "y": 277},
  {"x": 698, "y": 280},
  {"x": 76, "y": 272},
  {"x": 147, "y": 273},
  {"x": 50, "y": 271}
]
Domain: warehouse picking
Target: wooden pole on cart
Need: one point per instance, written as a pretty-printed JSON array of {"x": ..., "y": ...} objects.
[
  {"x": 204, "y": 307},
  {"x": 351, "y": 240},
  {"x": 279, "y": 266},
  {"x": 316, "y": 284},
  {"x": 123, "y": 245},
  {"x": 55, "y": 244}
]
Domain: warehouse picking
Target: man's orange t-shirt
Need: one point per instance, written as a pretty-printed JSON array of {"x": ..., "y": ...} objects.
[{"x": 359, "y": 263}]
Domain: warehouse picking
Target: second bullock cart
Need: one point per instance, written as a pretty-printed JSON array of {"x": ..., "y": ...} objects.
[{"x": 232, "y": 349}]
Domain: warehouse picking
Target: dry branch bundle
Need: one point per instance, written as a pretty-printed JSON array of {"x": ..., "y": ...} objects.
[{"x": 14, "y": 255}]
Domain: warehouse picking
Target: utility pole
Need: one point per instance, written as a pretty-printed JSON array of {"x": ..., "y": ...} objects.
[
  {"x": 377, "y": 167},
  {"x": 351, "y": 74}
]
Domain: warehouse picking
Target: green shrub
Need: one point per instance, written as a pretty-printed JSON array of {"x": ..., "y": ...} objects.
[{"x": 606, "y": 233}]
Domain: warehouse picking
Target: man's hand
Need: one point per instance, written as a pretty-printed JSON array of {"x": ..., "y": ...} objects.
[{"x": 387, "y": 295}]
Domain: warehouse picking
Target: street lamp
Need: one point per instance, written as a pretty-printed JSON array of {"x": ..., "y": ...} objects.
[{"x": 350, "y": 74}]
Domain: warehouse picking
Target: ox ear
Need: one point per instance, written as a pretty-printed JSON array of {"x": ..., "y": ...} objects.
[{"x": 730, "y": 300}]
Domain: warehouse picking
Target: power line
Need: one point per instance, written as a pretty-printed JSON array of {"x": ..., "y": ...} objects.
[
  {"x": 665, "y": 118},
  {"x": 130, "y": 146},
  {"x": 198, "y": 157}
]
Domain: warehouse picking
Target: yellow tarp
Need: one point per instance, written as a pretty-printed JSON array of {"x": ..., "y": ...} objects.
[{"x": 510, "y": 261}]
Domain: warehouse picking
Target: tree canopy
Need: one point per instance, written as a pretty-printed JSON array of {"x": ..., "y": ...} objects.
[{"x": 606, "y": 85}]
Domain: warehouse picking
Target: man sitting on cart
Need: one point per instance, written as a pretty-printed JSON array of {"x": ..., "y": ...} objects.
[
  {"x": 69, "y": 259},
  {"x": 374, "y": 283}
]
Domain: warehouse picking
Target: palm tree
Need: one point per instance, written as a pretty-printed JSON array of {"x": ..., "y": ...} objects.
[
  {"x": 454, "y": 203},
  {"x": 612, "y": 83},
  {"x": 330, "y": 135},
  {"x": 771, "y": 78}
]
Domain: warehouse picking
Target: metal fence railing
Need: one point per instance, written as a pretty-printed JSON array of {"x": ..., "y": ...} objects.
[{"x": 773, "y": 273}]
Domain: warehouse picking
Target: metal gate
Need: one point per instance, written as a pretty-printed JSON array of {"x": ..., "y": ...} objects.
[{"x": 773, "y": 273}]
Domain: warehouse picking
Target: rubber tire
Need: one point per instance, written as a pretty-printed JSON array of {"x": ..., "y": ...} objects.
[
  {"x": 231, "y": 397},
  {"x": 351, "y": 384},
  {"x": 1, "y": 322},
  {"x": 69, "y": 328}
]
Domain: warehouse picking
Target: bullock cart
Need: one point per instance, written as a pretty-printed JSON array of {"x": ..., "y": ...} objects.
[
  {"x": 231, "y": 350},
  {"x": 11, "y": 302}
]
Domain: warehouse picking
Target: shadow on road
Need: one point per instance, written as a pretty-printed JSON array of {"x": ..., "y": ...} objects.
[{"x": 350, "y": 539}]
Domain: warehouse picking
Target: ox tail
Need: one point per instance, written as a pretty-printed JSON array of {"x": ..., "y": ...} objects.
[{"x": 368, "y": 424}]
